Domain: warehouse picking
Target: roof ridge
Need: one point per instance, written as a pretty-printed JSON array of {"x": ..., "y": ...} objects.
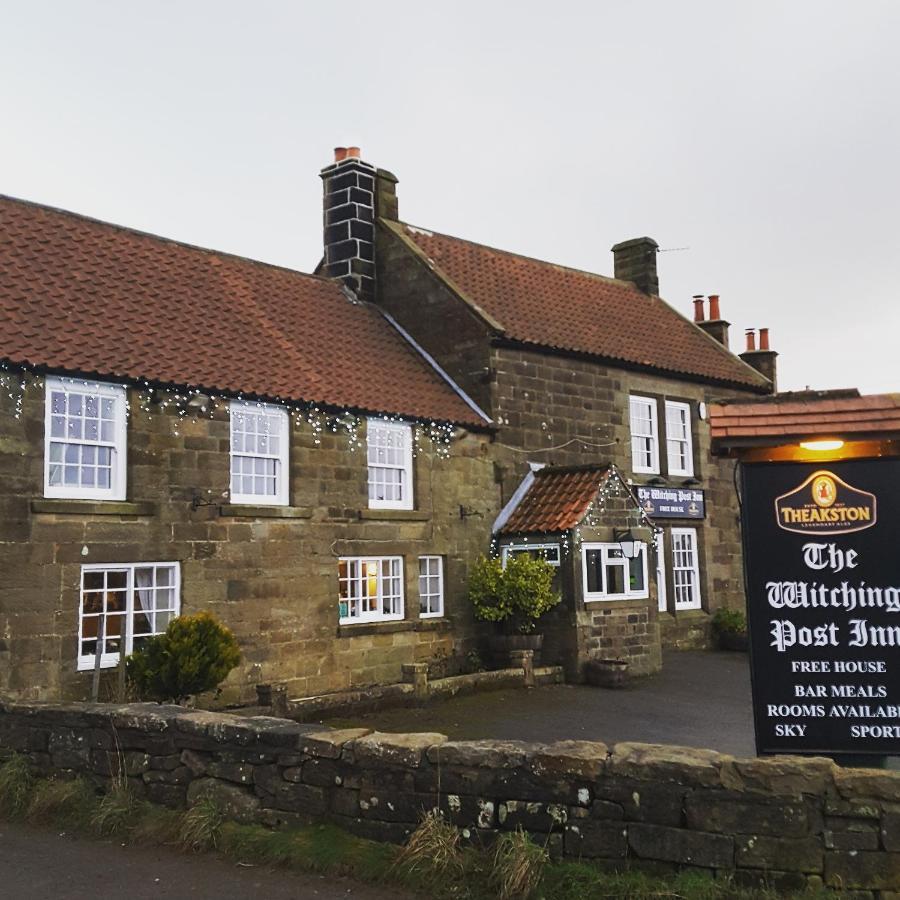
[
  {"x": 535, "y": 259},
  {"x": 162, "y": 238}
]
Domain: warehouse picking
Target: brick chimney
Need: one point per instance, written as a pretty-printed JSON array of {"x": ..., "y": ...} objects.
[
  {"x": 349, "y": 216},
  {"x": 635, "y": 261},
  {"x": 715, "y": 326},
  {"x": 762, "y": 359}
]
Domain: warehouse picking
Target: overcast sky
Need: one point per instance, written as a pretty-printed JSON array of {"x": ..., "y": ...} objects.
[{"x": 765, "y": 138}]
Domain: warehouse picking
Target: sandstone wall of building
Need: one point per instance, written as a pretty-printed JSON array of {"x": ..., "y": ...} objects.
[
  {"x": 783, "y": 822},
  {"x": 270, "y": 574},
  {"x": 569, "y": 411}
]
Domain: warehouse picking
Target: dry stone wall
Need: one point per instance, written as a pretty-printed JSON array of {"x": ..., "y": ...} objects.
[{"x": 784, "y": 821}]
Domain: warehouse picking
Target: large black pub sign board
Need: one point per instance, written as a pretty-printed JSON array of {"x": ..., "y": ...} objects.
[{"x": 822, "y": 551}]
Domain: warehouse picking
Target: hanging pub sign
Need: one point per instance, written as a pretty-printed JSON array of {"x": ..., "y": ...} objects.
[
  {"x": 823, "y": 600},
  {"x": 671, "y": 503}
]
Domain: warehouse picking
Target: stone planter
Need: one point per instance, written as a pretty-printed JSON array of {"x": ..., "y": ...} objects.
[
  {"x": 504, "y": 644},
  {"x": 608, "y": 673},
  {"x": 734, "y": 640}
]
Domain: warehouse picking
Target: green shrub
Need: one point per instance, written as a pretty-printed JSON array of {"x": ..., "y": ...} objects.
[
  {"x": 194, "y": 655},
  {"x": 16, "y": 785},
  {"x": 516, "y": 596},
  {"x": 729, "y": 621}
]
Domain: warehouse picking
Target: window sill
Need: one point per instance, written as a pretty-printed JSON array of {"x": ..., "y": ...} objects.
[
  {"x": 367, "y": 628},
  {"x": 94, "y": 507},
  {"x": 395, "y": 515},
  {"x": 240, "y": 511}
]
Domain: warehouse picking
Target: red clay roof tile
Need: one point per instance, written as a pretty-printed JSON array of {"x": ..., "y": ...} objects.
[
  {"x": 873, "y": 415},
  {"x": 558, "y": 499},
  {"x": 78, "y": 295},
  {"x": 553, "y": 306}
]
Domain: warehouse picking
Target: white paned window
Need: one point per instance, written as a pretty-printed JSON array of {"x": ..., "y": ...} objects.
[
  {"x": 390, "y": 464},
  {"x": 685, "y": 568},
  {"x": 259, "y": 454},
  {"x": 608, "y": 575},
  {"x": 548, "y": 552},
  {"x": 84, "y": 440},
  {"x": 370, "y": 589},
  {"x": 661, "y": 572},
  {"x": 644, "y": 435},
  {"x": 678, "y": 438},
  {"x": 128, "y": 603},
  {"x": 431, "y": 586}
]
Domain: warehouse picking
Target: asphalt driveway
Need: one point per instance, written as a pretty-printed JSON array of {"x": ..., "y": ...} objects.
[{"x": 700, "y": 699}]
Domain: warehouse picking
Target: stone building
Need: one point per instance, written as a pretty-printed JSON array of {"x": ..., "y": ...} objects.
[
  {"x": 575, "y": 369},
  {"x": 317, "y": 458},
  {"x": 182, "y": 429}
]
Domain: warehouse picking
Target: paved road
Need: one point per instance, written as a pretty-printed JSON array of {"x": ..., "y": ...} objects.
[
  {"x": 700, "y": 699},
  {"x": 40, "y": 865}
]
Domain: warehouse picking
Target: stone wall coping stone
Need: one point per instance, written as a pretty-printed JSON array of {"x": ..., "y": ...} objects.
[
  {"x": 482, "y": 754},
  {"x": 855, "y": 784},
  {"x": 793, "y": 775},
  {"x": 576, "y": 759},
  {"x": 385, "y": 748},
  {"x": 687, "y": 765},
  {"x": 94, "y": 507},
  {"x": 328, "y": 744},
  {"x": 243, "y": 511}
]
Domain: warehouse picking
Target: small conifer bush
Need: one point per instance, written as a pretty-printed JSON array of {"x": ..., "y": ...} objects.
[{"x": 194, "y": 655}]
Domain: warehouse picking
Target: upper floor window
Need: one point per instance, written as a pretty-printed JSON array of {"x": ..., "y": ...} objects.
[
  {"x": 259, "y": 454},
  {"x": 370, "y": 589},
  {"x": 84, "y": 440},
  {"x": 431, "y": 586},
  {"x": 121, "y": 605},
  {"x": 390, "y": 464},
  {"x": 644, "y": 435},
  {"x": 609, "y": 575},
  {"x": 678, "y": 438}
]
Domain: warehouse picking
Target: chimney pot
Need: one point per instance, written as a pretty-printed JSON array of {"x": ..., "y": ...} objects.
[
  {"x": 340, "y": 154},
  {"x": 751, "y": 340},
  {"x": 698, "y": 307},
  {"x": 763, "y": 338},
  {"x": 714, "y": 313},
  {"x": 353, "y": 152}
]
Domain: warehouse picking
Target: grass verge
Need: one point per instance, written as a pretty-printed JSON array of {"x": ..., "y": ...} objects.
[{"x": 434, "y": 862}]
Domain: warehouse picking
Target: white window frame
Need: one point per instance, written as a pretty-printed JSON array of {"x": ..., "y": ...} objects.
[
  {"x": 405, "y": 467},
  {"x": 673, "y": 409},
  {"x": 695, "y": 600},
  {"x": 378, "y": 614},
  {"x": 507, "y": 549},
  {"x": 661, "y": 587},
  {"x": 108, "y": 660},
  {"x": 281, "y": 497},
  {"x": 653, "y": 436},
  {"x": 604, "y": 548},
  {"x": 118, "y": 446},
  {"x": 428, "y": 596}
]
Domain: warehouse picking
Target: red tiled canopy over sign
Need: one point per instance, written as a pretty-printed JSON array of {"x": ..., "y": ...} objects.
[
  {"x": 791, "y": 417},
  {"x": 89, "y": 298}
]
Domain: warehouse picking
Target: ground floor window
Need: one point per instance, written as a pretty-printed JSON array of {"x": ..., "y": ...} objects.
[
  {"x": 128, "y": 603},
  {"x": 370, "y": 589},
  {"x": 549, "y": 552},
  {"x": 431, "y": 586},
  {"x": 609, "y": 575},
  {"x": 685, "y": 568}
]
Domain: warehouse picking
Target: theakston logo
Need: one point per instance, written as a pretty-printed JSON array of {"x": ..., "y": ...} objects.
[{"x": 825, "y": 504}]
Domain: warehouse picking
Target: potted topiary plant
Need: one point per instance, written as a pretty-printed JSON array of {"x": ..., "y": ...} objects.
[
  {"x": 514, "y": 598},
  {"x": 730, "y": 629}
]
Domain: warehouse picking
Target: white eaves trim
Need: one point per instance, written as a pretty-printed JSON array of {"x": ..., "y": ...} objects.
[{"x": 516, "y": 498}]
